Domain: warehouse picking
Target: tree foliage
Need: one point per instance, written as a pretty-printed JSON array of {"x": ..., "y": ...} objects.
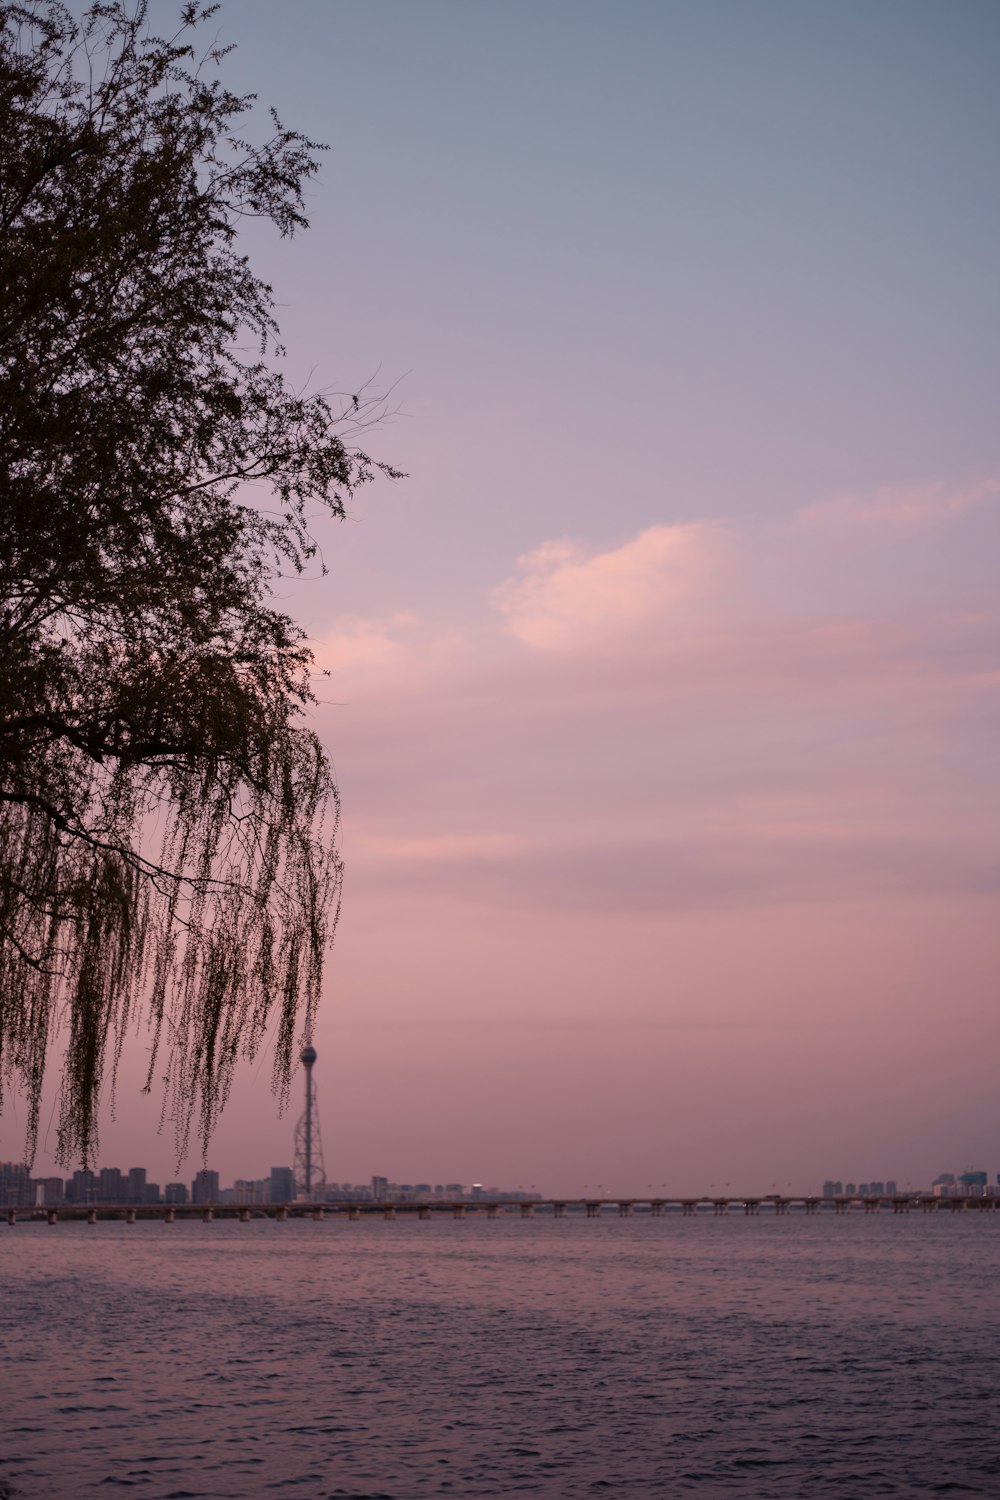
[{"x": 167, "y": 819}]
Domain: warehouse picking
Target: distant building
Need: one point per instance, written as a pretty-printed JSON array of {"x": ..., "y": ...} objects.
[
  {"x": 15, "y": 1184},
  {"x": 282, "y": 1185},
  {"x": 109, "y": 1185},
  {"x": 863, "y": 1189},
  {"x": 944, "y": 1179},
  {"x": 49, "y": 1190},
  {"x": 175, "y": 1192},
  {"x": 891, "y": 1189},
  {"x": 829, "y": 1188},
  {"x": 877, "y": 1189},
  {"x": 152, "y": 1193},
  {"x": 851, "y": 1190},
  {"x": 205, "y": 1188},
  {"x": 82, "y": 1187},
  {"x": 380, "y": 1188},
  {"x": 251, "y": 1189},
  {"x": 135, "y": 1190}
]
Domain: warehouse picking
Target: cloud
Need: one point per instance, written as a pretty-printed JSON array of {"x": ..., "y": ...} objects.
[
  {"x": 563, "y": 598},
  {"x": 375, "y": 658},
  {"x": 590, "y": 737},
  {"x": 916, "y": 508},
  {"x": 454, "y": 848},
  {"x": 661, "y": 875}
]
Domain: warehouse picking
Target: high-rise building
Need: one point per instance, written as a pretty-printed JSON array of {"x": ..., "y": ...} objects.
[
  {"x": 15, "y": 1184},
  {"x": 49, "y": 1190},
  {"x": 109, "y": 1186},
  {"x": 175, "y": 1192},
  {"x": 829, "y": 1188},
  {"x": 135, "y": 1188},
  {"x": 851, "y": 1189},
  {"x": 282, "y": 1185},
  {"x": 205, "y": 1187},
  {"x": 82, "y": 1187},
  {"x": 890, "y": 1188}
]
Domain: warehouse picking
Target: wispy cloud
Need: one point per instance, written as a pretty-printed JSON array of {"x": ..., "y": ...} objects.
[
  {"x": 918, "y": 507},
  {"x": 447, "y": 848}
]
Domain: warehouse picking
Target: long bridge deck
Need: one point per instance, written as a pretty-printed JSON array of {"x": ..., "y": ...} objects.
[{"x": 559, "y": 1208}]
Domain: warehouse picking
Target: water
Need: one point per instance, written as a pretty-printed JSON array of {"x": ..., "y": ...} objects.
[{"x": 747, "y": 1357}]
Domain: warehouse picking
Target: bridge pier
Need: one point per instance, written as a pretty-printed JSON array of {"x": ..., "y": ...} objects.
[
  {"x": 207, "y": 1214},
  {"x": 244, "y": 1216},
  {"x": 812, "y": 1205},
  {"x": 423, "y": 1212},
  {"x": 12, "y": 1217},
  {"x": 625, "y": 1210},
  {"x": 458, "y": 1210},
  {"x": 51, "y": 1215},
  {"x": 559, "y": 1209},
  {"x": 318, "y": 1212},
  {"x": 656, "y": 1208},
  {"x": 492, "y": 1211},
  {"x": 389, "y": 1211},
  {"x": 687, "y": 1208},
  {"x": 281, "y": 1213},
  {"x": 593, "y": 1210},
  {"x": 840, "y": 1205},
  {"x": 720, "y": 1206},
  {"x": 168, "y": 1215},
  {"x": 781, "y": 1205},
  {"x": 353, "y": 1213},
  {"x": 527, "y": 1210},
  {"x": 871, "y": 1205},
  {"x": 91, "y": 1215},
  {"x": 751, "y": 1206},
  {"x": 130, "y": 1216}
]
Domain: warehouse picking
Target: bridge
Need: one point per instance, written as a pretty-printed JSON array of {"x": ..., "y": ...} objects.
[{"x": 559, "y": 1208}]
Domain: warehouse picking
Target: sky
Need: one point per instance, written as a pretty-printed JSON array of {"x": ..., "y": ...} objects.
[{"x": 663, "y": 694}]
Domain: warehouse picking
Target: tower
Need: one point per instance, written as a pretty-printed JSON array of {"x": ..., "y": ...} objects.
[{"x": 310, "y": 1177}]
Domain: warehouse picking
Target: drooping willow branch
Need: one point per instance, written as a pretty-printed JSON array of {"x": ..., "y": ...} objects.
[{"x": 167, "y": 820}]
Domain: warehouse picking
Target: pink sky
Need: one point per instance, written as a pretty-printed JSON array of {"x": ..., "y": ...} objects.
[{"x": 664, "y": 693}]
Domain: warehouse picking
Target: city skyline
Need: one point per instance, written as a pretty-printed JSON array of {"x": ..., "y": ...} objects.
[{"x": 133, "y": 1187}]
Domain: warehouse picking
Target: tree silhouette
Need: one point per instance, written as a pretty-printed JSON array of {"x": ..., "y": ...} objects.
[{"x": 166, "y": 819}]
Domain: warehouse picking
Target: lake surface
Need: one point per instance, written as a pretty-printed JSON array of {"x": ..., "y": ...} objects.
[{"x": 749, "y": 1357}]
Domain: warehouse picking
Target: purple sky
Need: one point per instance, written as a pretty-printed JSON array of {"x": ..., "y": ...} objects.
[{"x": 664, "y": 693}]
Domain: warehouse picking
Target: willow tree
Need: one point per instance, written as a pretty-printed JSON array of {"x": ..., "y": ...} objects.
[{"x": 167, "y": 819}]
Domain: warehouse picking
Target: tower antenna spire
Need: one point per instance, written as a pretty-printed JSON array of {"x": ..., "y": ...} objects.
[{"x": 310, "y": 1175}]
